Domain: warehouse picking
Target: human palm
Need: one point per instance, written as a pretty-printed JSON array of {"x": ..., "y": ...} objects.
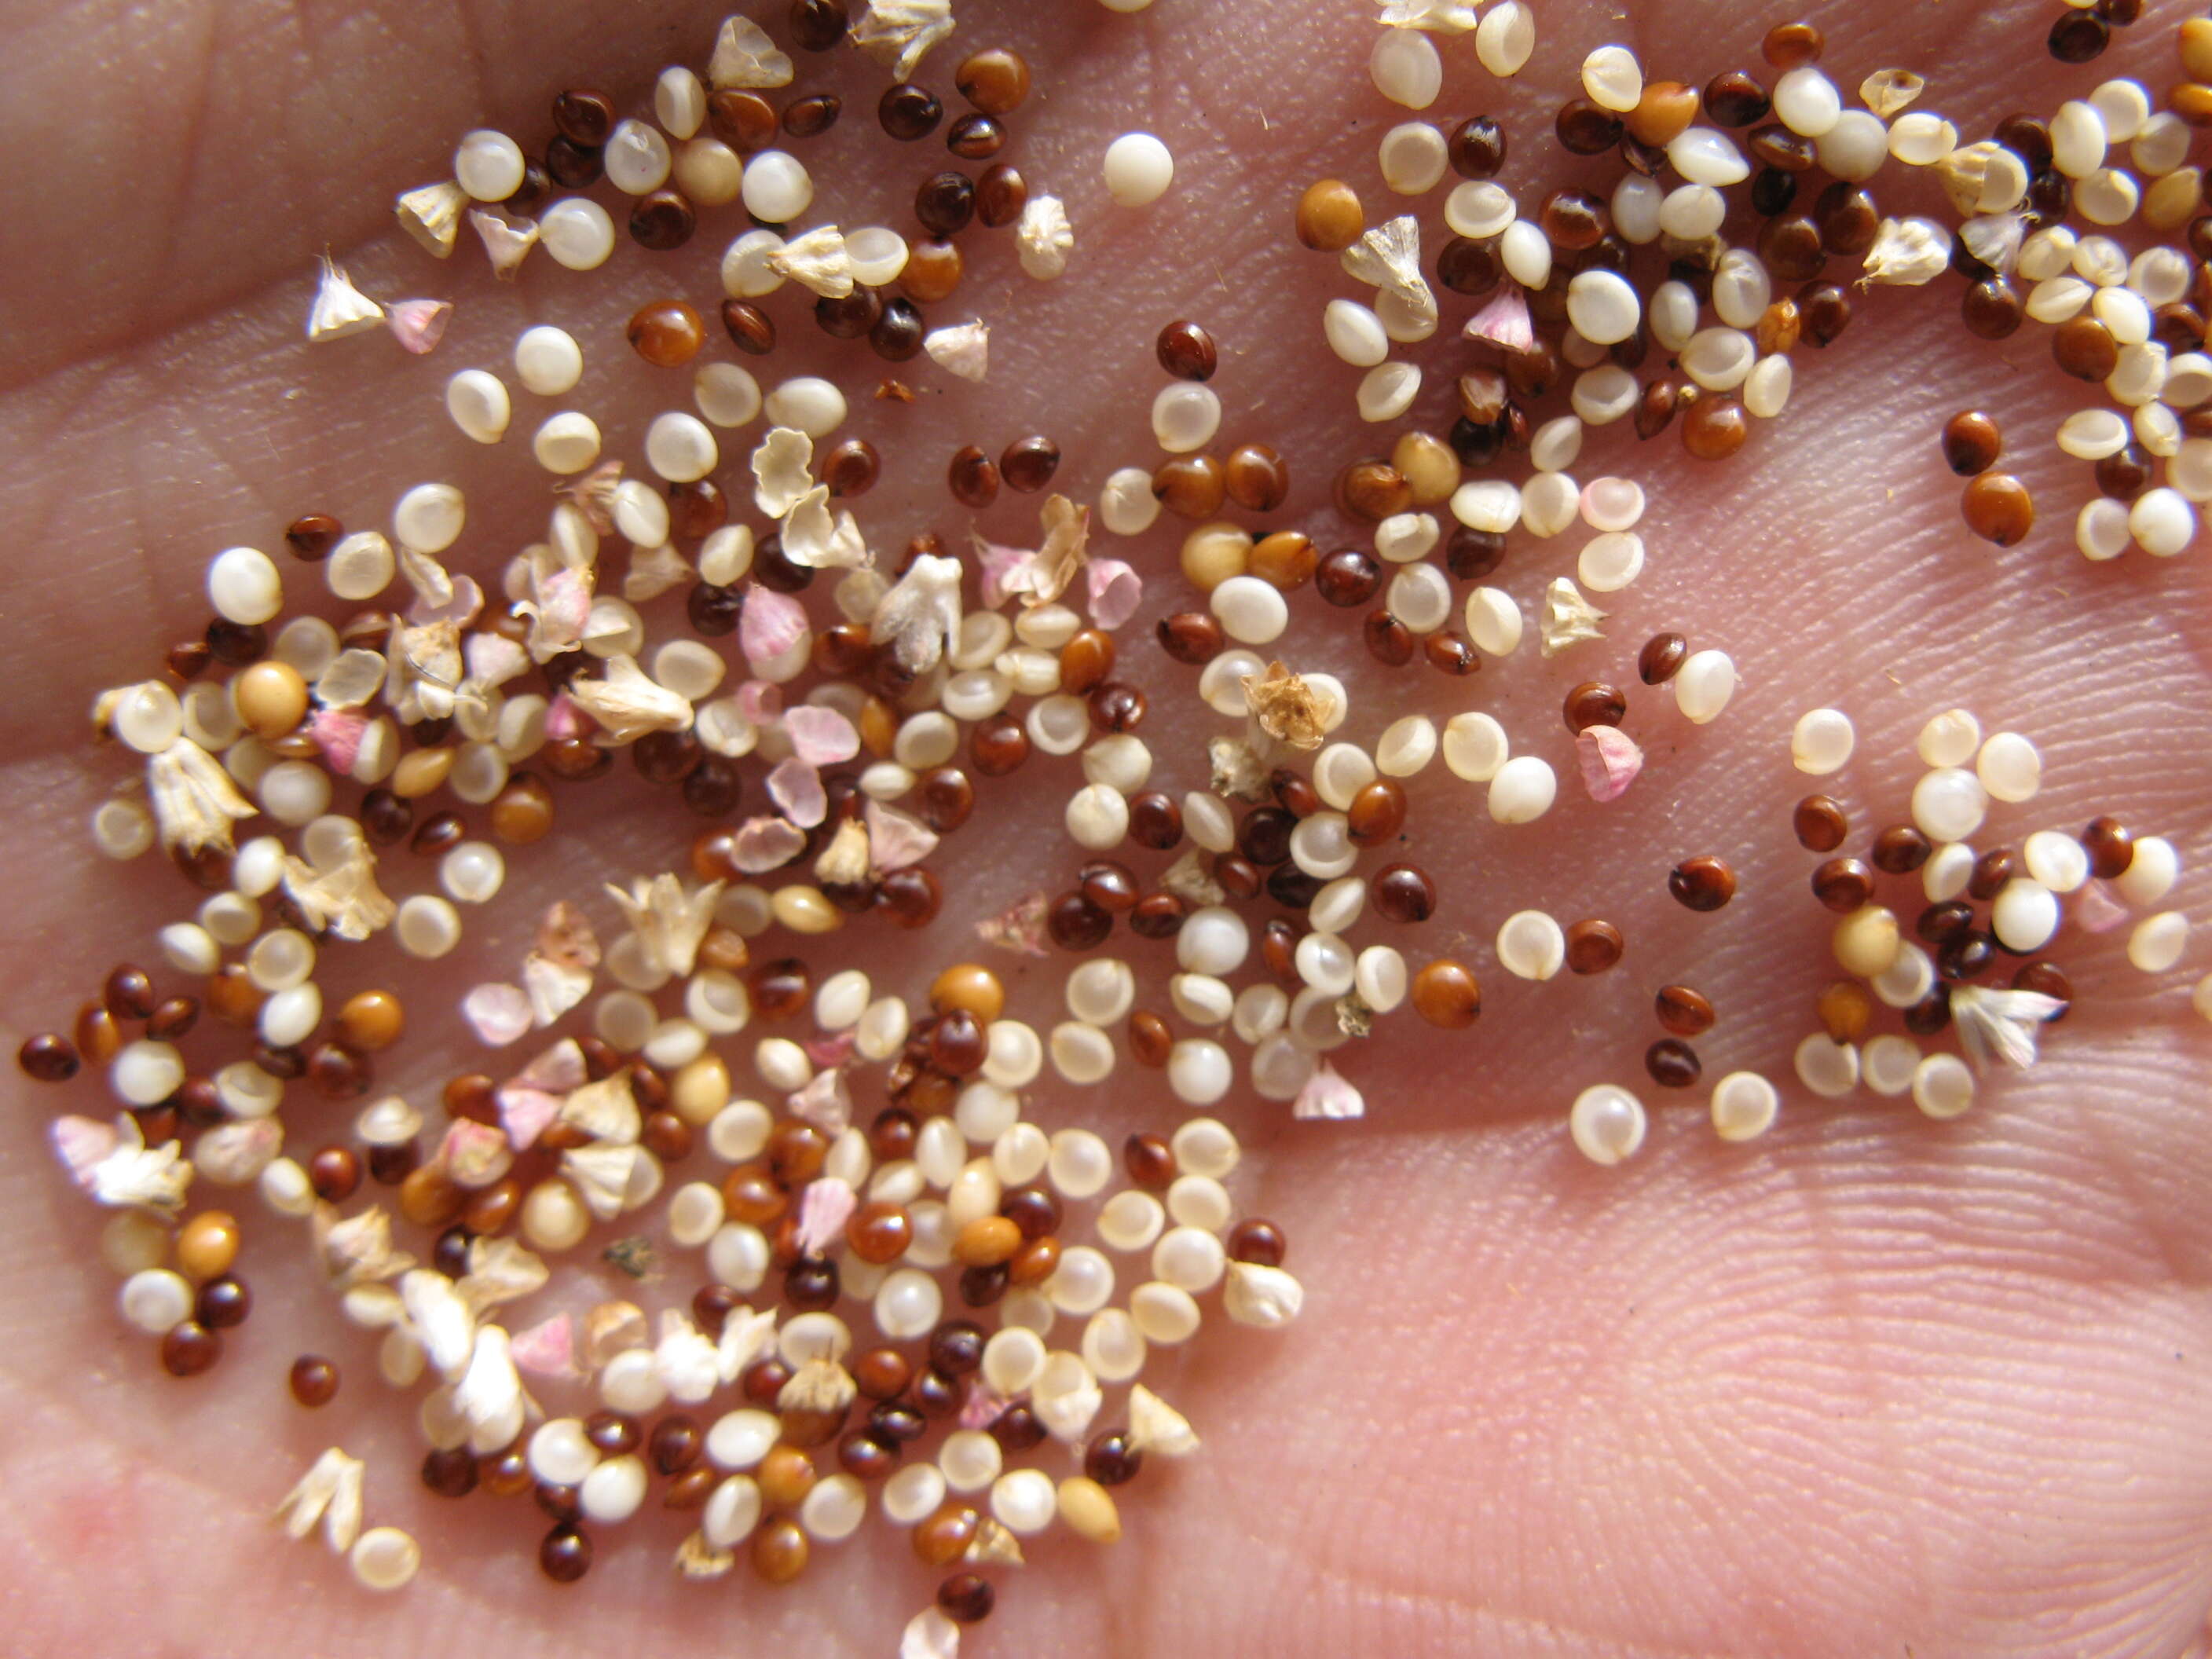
[{"x": 1870, "y": 1385}]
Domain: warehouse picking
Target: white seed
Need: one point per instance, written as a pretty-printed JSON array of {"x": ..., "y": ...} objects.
[
  {"x": 489, "y": 166},
  {"x": 2057, "y": 860},
  {"x": 2162, "y": 522},
  {"x": 1602, "y": 306},
  {"x": 2158, "y": 941},
  {"x": 1487, "y": 504},
  {"x": 146, "y": 1072},
  {"x": 1607, "y": 1123},
  {"x": 2009, "y": 767},
  {"x": 1704, "y": 155},
  {"x": 1743, "y": 1106},
  {"x": 1550, "y": 501},
  {"x": 1407, "y": 746},
  {"x": 2107, "y": 196},
  {"x": 833, "y": 1508},
  {"x": 154, "y": 1300},
  {"x": 1138, "y": 169},
  {"x": 1674, "y": 312},
  {"x": 1522, "y": 790},
  {"x": 1704, "y": 684},
  {"x": 1951, "y": 739},
  {"x": 1505, "y": 38},
  {"x": 1526, "y": 252},
  {"x": 614, "y": 1490},
  {"x": 1821, "y": 741},
  {"x": 2077, "y": 139},
  {"x": 777, "y": 187},
  {"x": 1907, "y": 980},
  {"x": 1354, "y": 333},
  {"x": 1198, "y": 1070},
  {"x": 1413, "y": 158},
  {"x": 1252, "y": 612},
  {"x": 1887, "y": 1063},
  {"x": 430, "y": 518},
  {"x": 2024, "y": 915},
  {"x": 2091, "y": 435},
  {"x": 1190, "y": 1259},
  {"x": 1829, "y": 1069},
  {"x": 1493, "y": 621},
  {"x": 1692, "y": 212},
  {"x": 1719, "y": 358},
  {"x": 1531, "y": 946},
  {"x": 384, "y": 1559},
  {"x": 1386, "y": 391},
  {"x": 479, "y": 406},
  {"x": 1420, "y": 597},
  {"x": 1806, "y": 102},
  {"x": 680, "y": 447},
  {"x": 1185, "y": 417},
  {"x": 567, "y": 443},
  {"x": 1612, "y": 79},
  {"x": 1406, "y": 68},
  {"x": 1479, "y": 208},
  {"x": 1025, "y": 1501},
  {"x": 472, "y": 872},
  {"x": 1947, "y": 873},
  {"x": 1609, "y": 562},
  {"x": 1475, "y": 747},
  {"x": 578, "y": 233},
  {"x": 726, "y": 394},
  {"x": 1943, "y": 1086},
  {"x": 637, "y": 158},
  {"x": 1922, "y": 138},
  {"x": 1855, "y": 147},
  {"x": 1949, "y": 803},
  {"x": 244, "y": 587},
  {"x": 1341, "y": 771},
  {"x": 2151, "y": 873}
]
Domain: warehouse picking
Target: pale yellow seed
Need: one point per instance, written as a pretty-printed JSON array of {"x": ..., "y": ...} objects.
[
  {"x": 422, "y": 772},
  {"x": 1088, "y": 1508},
  {"x": 1867, "y": 941},
  {"x": 1212, "y": 553},
  {"x": 805, "y": 910},
  {"x": 700, "y": 1090}
]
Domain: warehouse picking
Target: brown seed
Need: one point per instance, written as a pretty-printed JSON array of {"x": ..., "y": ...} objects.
[
  {"x": 1704, "y": 883},
  {"x": 943, "y": 1538},
  {"x": 1594, "y": 703},
  {"x": 1372, "y": 490},
  {"x": 1790, "y": 45},
  {"x": 1001, "y": 195},
  {"x": 1149, "y": 1160},
  {"x": 189, "y": 1349},
  {"x": 371, "y": 1020},
  {"x": 995, "y": 82},
  {"x": 780, "y": 1549},
  {"x": 666, "y": 333},
  {"x": 2084, "y": 348},
  {"x": 2045, "y": 979},
  {"x": 813, "y": 115},
  {"x": 1664, "y": 112},
  {"x": 1972, "y": 442},
  {"x": 1350, "y": 576},
  {"x": 908, "y": 112},
  {"x": 311, "y": 537},
  {"x": 751, "y": 330},
  {"x": 662, "y": 222},
  {"x": 1900, "y": 850},
  {"x": 1682, "y": 1011},
  {"x": 1733, "y": 100},
  {"x": 1586, "y": 129},
  {"x": 1286, "y": 560},
  {"x": 314, "y": 1380},
  {"x": 1378, "y": 813},
  {"x": 1258, "y": 1241},
  {"x": 2110, "y": 846},
  {"x": 1593, "y": 946},
  {"x": 944, "y": 203},
  {"x": 1998, "y": 508},
  {"x": 1846, "y": 1009},
  {"x": 50, "y": 1057},
  {"x": 1330, "y": 216},
  {"x": 933, "y": 268},
  {"x": 2076, "y": 37},
  {"x": 1842, "y": 885},
  {"x": 1477, "y": 148},
  {"x": 1029, "y": 464},
  {"x": 1445, "y": 994},
  {"x": 818, "y": 25},
  {"x": 1820, "y": 824},
  {"x": 1672, "y": 1063},
  {"x": 1256, "y": 477},
  {"x": 1187, "y": 351},
  {"x": 1992, "y": 309},
  {"x": 972, "y": 478},
  {"x": 1661, "y": 655},
  {"x": 1715, "y": 427}
]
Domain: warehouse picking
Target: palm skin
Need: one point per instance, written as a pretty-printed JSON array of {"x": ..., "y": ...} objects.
[{"x": 1872, "y": 1385}]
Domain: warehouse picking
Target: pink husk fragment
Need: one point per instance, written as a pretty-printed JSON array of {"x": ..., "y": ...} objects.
[
  {"x": 821, "y": 737},
  {"x": 1505, "y": 319},
  {"x": 2096, "y": 911},
  {"x": 1019, "y": 928},
  {"x": 419, "y": 325},
  {"x": 1328, "y": 1094},
  {"x": 337, "y": 733},
  {"x": 760, "y": 702},
  {"x": 546, "y": 1349},
  {"x": 796, "y": 787},
  {"x": 825, "y": 1206},
  {"x": 493, "y": 658},
  {"x": 765, "y": 844},
  {"x": 82, "y": 1144},
  {"x": 983, "y": 1406},
  {"x": 999, "y": 564},
  {"x": 1116, "y": 591},
  {"x": 565, "y": 718},
  {"x": 771, "y": 623},
  {"x": 827, "y": 1051},
  {"x": 524, "y": 1112},
  {"x": 498, "y": 1014},
  {"x": 823, "y": 1101},
  {"x": 1610, "y": 761},
  {"x": 896, "y": 840}
]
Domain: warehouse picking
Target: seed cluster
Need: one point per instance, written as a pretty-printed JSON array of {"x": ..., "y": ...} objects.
[{"x": 871, "y": 1147}]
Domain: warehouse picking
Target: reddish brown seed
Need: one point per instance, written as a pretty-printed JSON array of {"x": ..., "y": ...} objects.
[
  {"x": 1191, "y": 486},
  {"x": 2110, "y": 846},
  {"x": 662, "y": 222},
  {"x": 1029, "y": 464},
  {"x": 314, "y": 1380},
  {"x": 1715, "y": 427},
  {"x": 2084, "y": 348},
  {"x": 966, "y": 1598},
  {"x": 972, "y": 478},
  {"x": 908, "y": 112},
  {"x": 1445, "y": 994},
  {"x": 1594, "y": 703},
  {"x": 1682, "y": 1011},
  {"x": 1900, "y": 850},
  {"x": 933, "y": 268},
  {"x": 1672, "y": 1063},
  {"x": 1972, "y": 442},
  {"x": 49, "y": 1057},
  {"x": 1258, "y": 1241},
  {"x": 1150, "y": 1038},
  {"x": 1998, "y": 508},
  {"x": 189, "y": 1349},
  {"x": 666, "y": 333},
  {"x": 1991, "y": 309},
  {"x": 1350, "y": 576},
  {"x": 1001, "y": 195},
  {"x": 1820, "y": 824},
  {"x": 995, "y": 81},
  {"x": 1704, "y": 883},
  {"x": 311, "y": 537},
  {"x": 1476, "y": 148},
  {"x": 851, "y": 467},
  {"x": 564, "y": 1554},
  {"x": 128, "y": 993},
  {"x": 1256, "y": 477},
  {"x": 1790, "y": 45},
  {"x": 1150, "y": 1161},
  {"x": 1377, "y": 813},
  {"x": 1449, "y": 652},
  {"x": 1842, "y": 885},
  {"x": 811, "y": 116},
  {"x": 1661, "y": 655},
  {"x": 1187, "y": 351},
  {"x": 751, "y": 330},
  {"x": 1586, "y": 129},
  {"x": 1593, "y": 946},
  {"x": 2045, "y": 979},
  {"x": 1733, "y": 100}
]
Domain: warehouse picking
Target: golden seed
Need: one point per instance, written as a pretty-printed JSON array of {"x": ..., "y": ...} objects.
[
  {"x": 421, "y": 772},
  {"x": 986, "y": 1241},
  {"x": 1329, "y": 218},
  {"x": 969, "y": 985},
  {"x": 271, "y": 698},
  {"x": 207, "y": 1244}
]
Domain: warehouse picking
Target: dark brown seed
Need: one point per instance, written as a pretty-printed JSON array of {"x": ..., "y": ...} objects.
[
  {"x": 973, "y": 479},
  {"x": 1900, "y": 850},
  {"x": 1403, "y": 893},
  {"x": 1945, "y": 921},
  {"x": 944, "y": 203},
  {"x": 584, "y": 118},
  {"x": 189, "y": 1349},
  {"x": 1733, "y": 100},
  {"x": 49, "y": 1057},
  {"x": 223, "y": 1303},
  {"x": 573, "y": 165},
  {"x": 966, "y": 1598},
  {"x": 1930, "y": 1014},
  {"x": 1001, "y": 195},
  {"x": 1991, "y": 871},
  {"x": 1258, "y": 1241},
  {"x": 850, "y": 317},
  {"x": 1150, "y": 1161},
  {"x": 1029, "y": 464},
  {"x": 909, "y": 112},
  {"x": 1682, "y": 1011},
  {"x": 564, "y": 1554},
  {"x": 813, "y": 115},
  {"x": 1998, "y": 508},
  {"x": 2078, "y": 36},
  {"x": 1672, "y": 1063},
  {"x": 1842, "y": 885},
  {"x": 662, "y": 222},
  {"x": 314, "y": 1380},
  {"x": 1792, "y": 46},
  {"x": 1585, "y": 129},
  {"x": 974, "y": 137},
  {"x": 1965, "y": 955},
  {"x": 1827, "y": 311},
  {"x": 1848, "y": 218},
  {"x": 1704, "y": 883},
  {"x": 1661, "y": 655},
  {"x": 1820, "y": 824},
  {"x": 1593, "y": 946},
  {"x": 751, "y": 330},
  {"x": 311, "y": 537},
  {"x": 1594, "y": 703},
  {"x": 1476, "y": 148},
  {"x": 2045, "y": 979},
  {"x": 2124, "y": 474},
  {"x": 818, "y": 25},
  {"x": 1187, "y": 351},
  {"x": 1350, "y": 576},
  {"x": 1972, "y": 442},
  {"x": 1467, "y": 267},
  {"x": 2110, "y": 846}
]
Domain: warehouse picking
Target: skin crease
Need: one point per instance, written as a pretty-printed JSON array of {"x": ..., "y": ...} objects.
[{"x": 1874, "y": 1385}]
